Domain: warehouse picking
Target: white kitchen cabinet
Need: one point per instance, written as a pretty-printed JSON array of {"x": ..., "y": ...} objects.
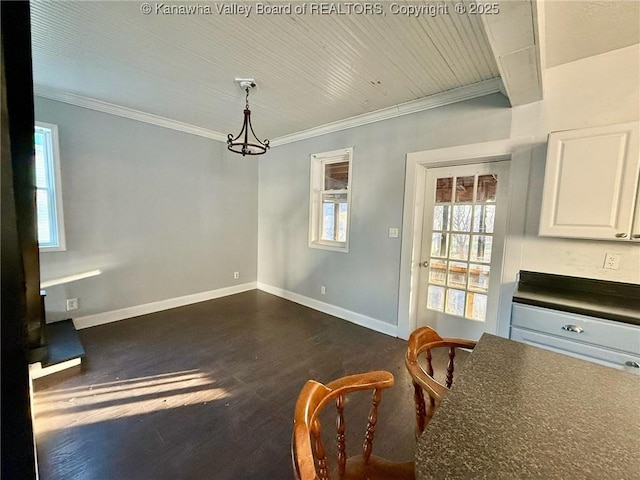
[
  {"x": 591, "y": 184},
  {"x": 610, "y": 343}
]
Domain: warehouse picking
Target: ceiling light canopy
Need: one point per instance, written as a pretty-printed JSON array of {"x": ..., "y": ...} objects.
[{"x": 242, "y": 143}]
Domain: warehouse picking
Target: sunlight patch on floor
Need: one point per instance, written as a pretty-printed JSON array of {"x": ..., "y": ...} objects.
[{"x": 101, "y": 402}]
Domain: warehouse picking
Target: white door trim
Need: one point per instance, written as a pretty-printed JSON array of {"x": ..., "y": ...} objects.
[{"x": 414, "y": 188}]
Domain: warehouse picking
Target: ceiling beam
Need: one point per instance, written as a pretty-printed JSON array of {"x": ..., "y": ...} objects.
[{"x": 514, "y": 37}]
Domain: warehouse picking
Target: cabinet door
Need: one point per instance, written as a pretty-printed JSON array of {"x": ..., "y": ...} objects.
[
  {"x": 591, "y": 180},
  {"x": 635, "y": 230}
]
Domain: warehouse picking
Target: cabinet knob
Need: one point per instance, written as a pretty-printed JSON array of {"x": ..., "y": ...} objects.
[
  {"x": 621, "y": 235},
  {"x": 573, "y": 328},
  {"x": 632, "y": 364}
]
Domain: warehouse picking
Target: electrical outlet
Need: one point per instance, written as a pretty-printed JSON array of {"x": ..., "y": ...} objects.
[
  {"x": 323, "y": 290},
  {"x": 236, "y": 275},
  {"x": 612, "y": 261},
  {"x": 394, "y": 233},
  {"x": 72, "y": 304}
]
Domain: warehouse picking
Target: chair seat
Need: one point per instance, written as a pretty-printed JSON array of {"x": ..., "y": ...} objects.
[{"x": 377, "y": 469}]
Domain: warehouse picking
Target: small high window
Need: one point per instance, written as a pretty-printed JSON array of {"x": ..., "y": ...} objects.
[
  {"x": 48, "y": 192},
  {"x": 330, "y": 197}
]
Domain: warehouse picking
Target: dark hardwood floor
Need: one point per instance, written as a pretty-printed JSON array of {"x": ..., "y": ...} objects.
[{"x": 207, "y": 391}]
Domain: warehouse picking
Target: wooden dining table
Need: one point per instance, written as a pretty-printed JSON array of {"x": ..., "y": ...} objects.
[{"x": 516, "y": 411}]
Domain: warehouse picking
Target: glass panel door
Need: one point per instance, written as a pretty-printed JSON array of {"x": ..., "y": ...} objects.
[{"x": 462, "y": 254}]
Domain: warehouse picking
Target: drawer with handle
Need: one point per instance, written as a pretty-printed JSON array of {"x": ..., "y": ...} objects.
[
  {"x": 603, "y": 356},
  {"x": 580, "y": 328}
]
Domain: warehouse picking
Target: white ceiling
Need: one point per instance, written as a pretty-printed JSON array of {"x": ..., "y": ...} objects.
[{"x": 311, "y": 70}]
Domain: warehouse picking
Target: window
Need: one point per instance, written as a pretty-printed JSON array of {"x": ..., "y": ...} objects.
[
  {"x": 330, "y": 200},
  {"x": 48, "y": 193}
]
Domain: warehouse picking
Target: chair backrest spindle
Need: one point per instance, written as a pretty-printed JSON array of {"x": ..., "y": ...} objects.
[
  {"x": 318, "y": 447},
  {"x": 418, "y": 400},
  {"x": 450, "y": 367},
  {"x": 429, "y": 363},
  {"x": 342, "y": 447},
  {"x": 371, "y": 425}
]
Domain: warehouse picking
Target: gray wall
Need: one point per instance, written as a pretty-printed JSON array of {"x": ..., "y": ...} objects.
[
  {"x": 167, "y": 214},
  {"x": 162, "y": 213},
  {"x": 366, "y": 279}
]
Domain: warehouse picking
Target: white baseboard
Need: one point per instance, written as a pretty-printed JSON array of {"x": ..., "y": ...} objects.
[
  {"x": 351, "y": 316},
  {"x": 153, "y": 307}
]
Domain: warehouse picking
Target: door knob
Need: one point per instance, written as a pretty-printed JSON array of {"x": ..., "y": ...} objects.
[{"x": 424, "y": 264}]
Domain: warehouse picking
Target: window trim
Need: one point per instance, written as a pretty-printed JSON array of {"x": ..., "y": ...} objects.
[
  {"x": 57, "y": 191},
  {"x": 316, "y": 178}
]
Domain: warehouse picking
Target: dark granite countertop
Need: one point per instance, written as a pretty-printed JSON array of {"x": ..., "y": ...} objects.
[
  {"x": 517, "y": 412},
  {"x": 597, "y": 298}
]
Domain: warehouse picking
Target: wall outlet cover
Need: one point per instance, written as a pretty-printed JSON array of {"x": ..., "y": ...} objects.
[
  {"x": 612, "y": 261},
  {"x": 72, "y": 304}
]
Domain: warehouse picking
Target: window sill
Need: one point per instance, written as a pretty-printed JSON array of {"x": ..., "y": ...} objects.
[
  {"x": 334, "y": 247},
  {"x": 60, "y": 248}
]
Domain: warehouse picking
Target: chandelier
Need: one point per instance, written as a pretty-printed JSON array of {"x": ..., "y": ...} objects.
[{"x": 242, "y": 143}]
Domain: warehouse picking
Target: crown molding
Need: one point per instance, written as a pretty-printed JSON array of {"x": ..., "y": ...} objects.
[
  {"x": 120, "y": 111},
  {"x": 460, "y": 94}
]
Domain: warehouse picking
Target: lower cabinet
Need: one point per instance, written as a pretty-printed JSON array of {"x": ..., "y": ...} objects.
[{"x": 606, "y": 342}]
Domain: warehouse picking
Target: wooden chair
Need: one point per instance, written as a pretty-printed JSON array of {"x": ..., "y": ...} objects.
[
  {"x": 424, "y": 340},
  {"x": 307, "y": 449}
]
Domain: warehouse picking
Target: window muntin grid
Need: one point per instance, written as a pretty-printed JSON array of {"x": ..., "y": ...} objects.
[{"x": 461, "y": 245}]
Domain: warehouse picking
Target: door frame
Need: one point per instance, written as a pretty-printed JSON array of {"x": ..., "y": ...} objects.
[{"x": 518, "y": 151}]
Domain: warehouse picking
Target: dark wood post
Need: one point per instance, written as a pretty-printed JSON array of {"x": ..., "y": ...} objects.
[{"x": 22, "y": 313}]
